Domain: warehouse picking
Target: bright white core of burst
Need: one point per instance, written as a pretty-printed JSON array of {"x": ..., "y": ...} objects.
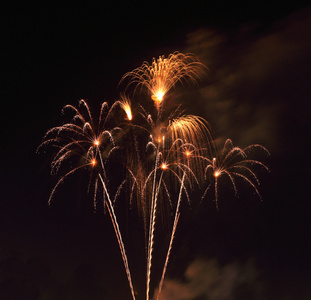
[
  {"x": 164, "y": 166},
  {"x": 216, "y": 173}
]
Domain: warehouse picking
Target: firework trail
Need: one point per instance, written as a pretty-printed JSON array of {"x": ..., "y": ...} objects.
[
  {"x": 188, "y": 151},
  {"x": 151, "y": 230},
  {"x": 176, "y": 219},
  {"x": 119, "y": 236},
  {"x": 170, "y": 166}
]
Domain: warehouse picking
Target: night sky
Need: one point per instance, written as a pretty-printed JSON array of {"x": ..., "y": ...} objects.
[{"x": 256, "y": 90}]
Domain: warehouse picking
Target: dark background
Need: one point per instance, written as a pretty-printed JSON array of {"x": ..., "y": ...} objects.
[{"x": 257, "y": 91}]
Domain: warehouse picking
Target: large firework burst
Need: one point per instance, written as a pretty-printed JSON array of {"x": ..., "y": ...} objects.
[{"x": 164, "y": 153}]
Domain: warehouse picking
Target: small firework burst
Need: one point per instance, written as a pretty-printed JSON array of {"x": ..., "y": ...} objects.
[
  {"x": 164, "y": 73},
  {"x": 234, "y": 162}
]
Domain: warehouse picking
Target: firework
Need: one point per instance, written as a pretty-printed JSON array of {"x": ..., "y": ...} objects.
[
  {"x": 196, "y": 133},
  {"x": 233, "y": 162},
  {"x": 164, "y": 73},
  {"x": 166, "y": 131},
  {"x": 85, "y": 140},
  {"x": 176, "y": 219},
  {"x": 164, "y": 152},
  {"x": 186, "y": 136},
  {"x": 168, "y": 165},
  {"x": 78, "y": 142}
]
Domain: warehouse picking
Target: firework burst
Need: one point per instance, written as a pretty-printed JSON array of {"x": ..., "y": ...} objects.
[
  {"x": 81, "y": 141},
  {"x": 164, "y": 73},
  {"x": 93, "y": 144},
  {"x": 233, "y": 162}
]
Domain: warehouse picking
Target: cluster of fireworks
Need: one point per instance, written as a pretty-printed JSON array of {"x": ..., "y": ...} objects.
[{"x": 163, "y": 152}]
